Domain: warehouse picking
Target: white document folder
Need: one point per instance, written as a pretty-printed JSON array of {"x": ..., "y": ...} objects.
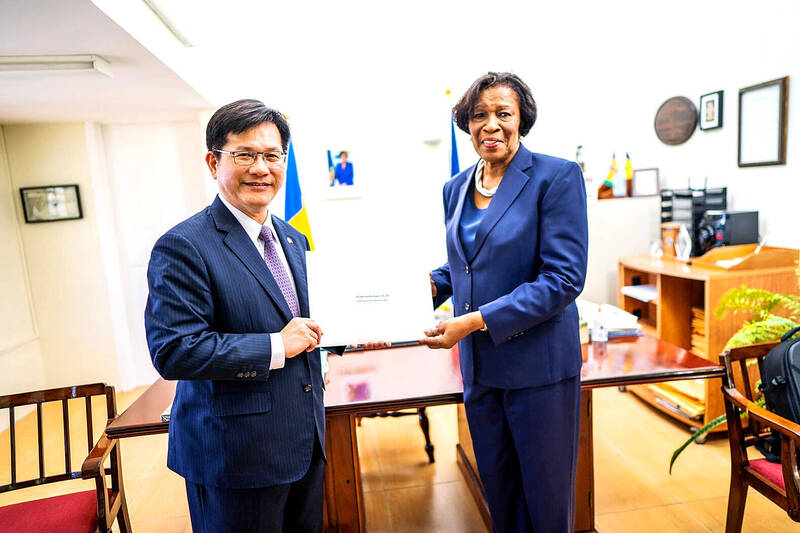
[{"x": 369, "y": 297}]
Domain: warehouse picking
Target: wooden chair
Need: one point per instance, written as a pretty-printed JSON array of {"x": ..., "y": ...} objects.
[
  {"x": 88, "y": 511},
  {"x": 778, "y": 482}
]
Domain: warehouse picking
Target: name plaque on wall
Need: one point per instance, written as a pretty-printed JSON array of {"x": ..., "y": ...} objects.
[{"x": 676, "y": 120}]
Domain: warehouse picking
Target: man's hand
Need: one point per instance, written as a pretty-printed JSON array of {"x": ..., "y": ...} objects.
[
  {"x": 433, "y": 286},
  {"x": 448, "y": 332},
  {"x": 300, "y": 335}
]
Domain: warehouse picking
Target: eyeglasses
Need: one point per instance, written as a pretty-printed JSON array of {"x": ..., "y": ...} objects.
[{"x": 245, "y": 159}]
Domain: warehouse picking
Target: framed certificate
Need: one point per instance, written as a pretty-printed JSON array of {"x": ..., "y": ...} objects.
[
  {"x": 646, "y": 182},
  {"x": 763, "y": 124}
]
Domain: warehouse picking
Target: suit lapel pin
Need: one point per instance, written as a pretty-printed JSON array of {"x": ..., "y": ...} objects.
[{"x": 289, "y": 240}]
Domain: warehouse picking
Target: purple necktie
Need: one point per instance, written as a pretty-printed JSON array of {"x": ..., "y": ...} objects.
[{"x": 278, "y": 271}]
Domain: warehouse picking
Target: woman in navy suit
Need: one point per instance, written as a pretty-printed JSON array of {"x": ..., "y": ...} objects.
[{"x": 516, "y": 249}]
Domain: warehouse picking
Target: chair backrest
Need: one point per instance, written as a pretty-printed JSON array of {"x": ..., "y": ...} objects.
[
  {"x": 743, "y": 367},
  {"x": 40, "y": 398}
]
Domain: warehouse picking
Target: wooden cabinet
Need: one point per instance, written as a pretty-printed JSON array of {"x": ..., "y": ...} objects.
[{"x": 683, "y": 314}]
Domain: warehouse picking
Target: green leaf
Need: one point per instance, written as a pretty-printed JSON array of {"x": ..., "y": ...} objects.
[
  {"x": 765, "y": 325},
  {"x": 759, "y": 302},
  {"x": 700, "y": 432},
  {"x": 770, "y": 328}
]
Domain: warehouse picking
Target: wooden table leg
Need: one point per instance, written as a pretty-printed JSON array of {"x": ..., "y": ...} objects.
[
  {"x": 425, "y": 426},
  {"x": 584, "y": 480},
  {"x": 343, "y": 510}
]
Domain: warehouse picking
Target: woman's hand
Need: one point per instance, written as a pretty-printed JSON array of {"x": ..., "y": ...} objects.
[{"x": 448, "y": 332}]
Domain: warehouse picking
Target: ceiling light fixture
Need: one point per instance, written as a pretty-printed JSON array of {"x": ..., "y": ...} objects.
[
  {"x": 74, "y": 63},
  {"x": 165, "y": 20}
]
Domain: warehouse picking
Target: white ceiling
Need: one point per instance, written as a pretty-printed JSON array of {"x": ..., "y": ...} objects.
[{"x": 142, "y": 87}]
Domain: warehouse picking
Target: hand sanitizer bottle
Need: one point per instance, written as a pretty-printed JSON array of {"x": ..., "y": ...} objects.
[{"x": 599, "y": 330}]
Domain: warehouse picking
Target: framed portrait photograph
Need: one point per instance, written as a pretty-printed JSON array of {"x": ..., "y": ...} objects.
[
  {"x": 711, "y": 111},
  {"x": 342, "y": 182},
  {"x": 645, "y": 182},
  {"x": 340, "y": 167},
  {"x": 763, "y": 123},
  {"x": 51, "y": 203}
]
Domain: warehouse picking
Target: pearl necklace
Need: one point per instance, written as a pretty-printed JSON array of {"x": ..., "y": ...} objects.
[{"x": 488, "y": 193}]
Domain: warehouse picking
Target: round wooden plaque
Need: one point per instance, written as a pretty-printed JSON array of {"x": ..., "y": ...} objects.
[{"x": 676, "y": 120}]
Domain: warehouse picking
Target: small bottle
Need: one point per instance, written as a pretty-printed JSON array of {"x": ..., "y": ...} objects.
[{"x": 599, "y": 331}]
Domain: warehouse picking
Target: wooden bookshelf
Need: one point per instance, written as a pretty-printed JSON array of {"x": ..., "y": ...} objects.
[{"x": 683, "y": 314}]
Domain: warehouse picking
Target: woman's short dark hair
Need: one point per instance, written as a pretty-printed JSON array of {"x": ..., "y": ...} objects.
[
  {"x": 462, "y": 111},
  {"x": 240, "y": 116}
]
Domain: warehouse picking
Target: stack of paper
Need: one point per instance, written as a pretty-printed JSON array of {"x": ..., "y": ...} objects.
[
  {"x": 643, "y": 293},
  {"x": 618, "y": 322},
  {"x": 677, "y": 401},
  {"x": 628, "y": 332},
  {"x": 692, "y": 388},
  {"x": 699, "y": 338}
]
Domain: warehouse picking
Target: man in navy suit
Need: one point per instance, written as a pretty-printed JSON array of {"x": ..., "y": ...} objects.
[{"x": 224, "y": 316}]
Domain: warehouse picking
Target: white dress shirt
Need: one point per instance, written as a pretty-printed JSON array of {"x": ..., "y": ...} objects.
[{"x": 253, "y": 230}]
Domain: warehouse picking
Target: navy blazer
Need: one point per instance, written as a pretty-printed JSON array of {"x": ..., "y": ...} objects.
[
  {"x": 212, "y": 304},
  {"x": 528, "y": 267}
]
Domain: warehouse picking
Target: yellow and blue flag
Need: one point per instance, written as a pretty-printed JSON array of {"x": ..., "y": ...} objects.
[
  {"x": 628, "y": 167},
  {"x": 454, "y": 169},
  {"x": 606, "y": 189},
  {"x": 330, "y": 167},
  {"x": 612, "y": 170},
  {"x": 295, "y": 212}
]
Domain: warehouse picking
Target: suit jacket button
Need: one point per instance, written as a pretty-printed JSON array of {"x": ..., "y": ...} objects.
[
  {"x": 466, "y": 306},
  {"x": 239, "y": 375},
  {"x": 307, "y": 388},
  {"x": 467, "y": 270}
]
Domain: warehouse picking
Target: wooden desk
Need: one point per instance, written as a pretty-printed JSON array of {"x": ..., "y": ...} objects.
[
  {"x": 406, "y": 377},
  {"x": 358, "y": 383}
]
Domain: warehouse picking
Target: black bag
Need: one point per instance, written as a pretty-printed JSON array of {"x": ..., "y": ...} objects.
[{"x": 780, "y": 381}]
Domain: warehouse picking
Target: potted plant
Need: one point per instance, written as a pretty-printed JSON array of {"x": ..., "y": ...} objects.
[{"x": 771, "y": 315}]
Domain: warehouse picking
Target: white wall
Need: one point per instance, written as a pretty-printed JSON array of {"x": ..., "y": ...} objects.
[
  {"x": 21, "y": 367},
  {"x": 398, "y": 209},
  {"x": 619, "y": 227},
  {"x": 87, "y": 278},
  {"x": 64, "y": 262},
  {"x": 156, "y": 178},
  {"x": 599, "y": 71}
]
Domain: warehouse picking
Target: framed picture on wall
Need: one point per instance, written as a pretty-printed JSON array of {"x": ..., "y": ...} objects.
[
  {"x": 51, "y": 203},
  {"x": 711, "y": 111},
  {"x": 763, "y": 124},
  {"x": 340, "y": 168},
  {"x": 645, "y": 182},
  {"x": 342, "y": 182}
]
